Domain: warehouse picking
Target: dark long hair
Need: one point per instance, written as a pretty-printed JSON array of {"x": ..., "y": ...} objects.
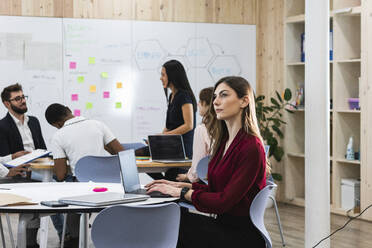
[{"x": 177, "y": 76}]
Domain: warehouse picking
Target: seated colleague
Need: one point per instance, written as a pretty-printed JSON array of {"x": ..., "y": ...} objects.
[
  {"x": 237, "y": 172},
  {"x": 15, "y": 171},
  {"x": 201, "y": 145},
  {"x": 20, "y": 132},
  {"x": 77, "y": 137}
]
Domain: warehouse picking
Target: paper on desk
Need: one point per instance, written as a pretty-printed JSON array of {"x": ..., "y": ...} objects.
[{"x": 7, "y": 199}]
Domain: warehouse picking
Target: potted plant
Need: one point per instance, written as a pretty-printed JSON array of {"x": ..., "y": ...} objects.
[{"x": 270, "y": 121}]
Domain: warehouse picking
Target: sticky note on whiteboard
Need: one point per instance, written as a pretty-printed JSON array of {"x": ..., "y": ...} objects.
[
  {"x": 104, "y": 75},
  {"x": 118, "y": 105},
  {"x": 77, "y": 112},
  {"x": 74, "y": 97},
  {"x": 89, "y": 105},
  {"x": 72, "y": 65},
  {"x": 80, "y": 79},
  {"x": 92, "y": 60},
  {"x": 106, "y": 94},
  {"x": 119, "y": 85},
  {"x": 92, "y": 88}
]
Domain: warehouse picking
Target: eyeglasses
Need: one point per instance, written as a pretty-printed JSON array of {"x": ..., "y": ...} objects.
[{"x": 19, "y": 98}]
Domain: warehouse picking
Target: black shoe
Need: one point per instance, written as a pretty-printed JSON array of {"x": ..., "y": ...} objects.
[
  {"x": 33, "y": 246},
  {"x": 71, "y": 243}
]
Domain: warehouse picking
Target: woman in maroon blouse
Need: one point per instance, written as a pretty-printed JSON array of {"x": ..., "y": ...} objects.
[{"x": 236, "y": 173}]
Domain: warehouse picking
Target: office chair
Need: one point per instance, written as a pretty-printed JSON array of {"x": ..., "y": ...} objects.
[
  {"x": 202, "y": 169},
  {"x": 257, "y": 212},
  {"x": 125, "y": 226},
  {"x": 105, "y": 169},
  {"x": 134, "y": 146}
]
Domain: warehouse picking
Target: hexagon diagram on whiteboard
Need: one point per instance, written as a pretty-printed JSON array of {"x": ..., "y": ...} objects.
[
  {"x": 224, "y": 65},
  {"x": 149, "y": 54},
  {"x": 199, "y": 52}
]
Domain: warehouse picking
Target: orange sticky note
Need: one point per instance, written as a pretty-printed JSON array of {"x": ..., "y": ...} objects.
[
  {"x": 92, "y": 88},
  {"x": 119, "y": 85}
]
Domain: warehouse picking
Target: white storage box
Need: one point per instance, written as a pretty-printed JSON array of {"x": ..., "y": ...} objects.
[{"x": 350, "y": 193}]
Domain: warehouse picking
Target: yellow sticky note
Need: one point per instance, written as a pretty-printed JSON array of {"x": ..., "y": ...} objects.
[
  {"x": 92, "y": 60},
  {"x": 119, "y": 85},
  {"x": 89, "y": 105},
  {"x": 104, "y": 75},
  {"x": 92, "y": 88},
  {"x": 118, "y": 105},
  {"x": 80, "y": 79}
]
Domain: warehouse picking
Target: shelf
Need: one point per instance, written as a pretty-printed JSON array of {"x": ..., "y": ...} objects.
[
  {"x": 348, "y": 111},
  {"x": 353, "y": 11},
  {"x": 295, "y": 19},
  {"x": 347, "y": 61},
  {"x": 295, "y": 63},
  {"x": 341, "y": 211},
  {"x": 345, "y": 161},
  {"x": 296, "y": 154}
]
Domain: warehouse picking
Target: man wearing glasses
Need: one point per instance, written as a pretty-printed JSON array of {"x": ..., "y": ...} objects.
[{"x": 20, "y": 132}]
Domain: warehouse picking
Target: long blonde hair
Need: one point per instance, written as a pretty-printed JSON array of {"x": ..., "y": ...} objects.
[{"x": 217, "y": 128}]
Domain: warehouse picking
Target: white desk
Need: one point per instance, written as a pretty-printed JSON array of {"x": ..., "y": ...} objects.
[{"x": 53, "y": 191}]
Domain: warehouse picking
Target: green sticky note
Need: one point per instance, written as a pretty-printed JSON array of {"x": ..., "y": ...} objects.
[
  {"x": 80, "y": 79},
  {"x": 89, "y": 105},
  {"x": 118, "y": 105},
  {"x": 104, "y": 75},
  {"x": 92, "y": 60}
]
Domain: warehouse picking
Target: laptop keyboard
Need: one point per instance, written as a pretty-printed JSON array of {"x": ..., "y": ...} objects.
[{"x": 152, "y": 194}]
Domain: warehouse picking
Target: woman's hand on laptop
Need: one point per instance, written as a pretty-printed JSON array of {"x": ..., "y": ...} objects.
[
  {"x": 171, "y": 183},
  {"x": 165, "y": 189}
]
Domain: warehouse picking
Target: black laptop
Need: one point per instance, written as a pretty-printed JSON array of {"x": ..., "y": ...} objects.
[{"x": 167, "y": 149}]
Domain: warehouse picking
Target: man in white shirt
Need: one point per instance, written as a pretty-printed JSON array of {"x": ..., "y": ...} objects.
[{"x": 75, "y": 138}]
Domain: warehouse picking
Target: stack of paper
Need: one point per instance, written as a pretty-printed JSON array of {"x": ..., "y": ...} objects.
[
  {"x": 7, "y": 199},
  {"x": 27, "y": 158}
]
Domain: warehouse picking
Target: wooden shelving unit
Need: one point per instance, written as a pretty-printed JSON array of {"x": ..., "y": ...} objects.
[{"x": 345, "y": 74}]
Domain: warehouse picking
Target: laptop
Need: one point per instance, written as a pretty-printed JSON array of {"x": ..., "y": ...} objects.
[
  {"x": 130, "y": 176},
  {"x": 106, "y": 198},
  {"x": 167, "y": 149}
]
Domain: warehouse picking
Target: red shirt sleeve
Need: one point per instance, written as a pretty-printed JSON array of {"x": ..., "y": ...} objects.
[{"x": 243, "y": 184}]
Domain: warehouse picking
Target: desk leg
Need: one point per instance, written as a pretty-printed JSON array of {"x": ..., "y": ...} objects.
[
  {"x": 22, "y": 224},
  {"x": 44, "y": 223},
  {"x": 83, "y": 239}
]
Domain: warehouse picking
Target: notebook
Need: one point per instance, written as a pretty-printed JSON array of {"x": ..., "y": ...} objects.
[
  {"x": 167, "y": 149},
  {"x": 130, "y": 176},
  {"x": 35, "y": 154},
  {"x": 107, "y": 198}
]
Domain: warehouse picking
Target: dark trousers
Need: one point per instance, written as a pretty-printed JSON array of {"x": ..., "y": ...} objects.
[{"x": 226, "y": 231}]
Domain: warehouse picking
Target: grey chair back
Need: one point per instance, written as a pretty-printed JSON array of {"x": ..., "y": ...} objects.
[
  {"x": 104, "y": 169},
  {"x": 202, "y": 169},
  {"x": 134, "y": 146},
  {"x": 257, "y": 212},
  {"x": 123, "y": 226}
]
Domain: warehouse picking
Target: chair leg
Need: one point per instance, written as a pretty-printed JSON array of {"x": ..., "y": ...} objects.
[
  {"x": 2, "y": 233},
  {"x": 278, "y": 219},
  {"x": 63, "y": 230},
  {"x": 10, "y": 230}
]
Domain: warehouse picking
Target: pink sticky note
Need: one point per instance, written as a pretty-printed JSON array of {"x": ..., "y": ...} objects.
[
  {"x": 72, "y": 65},
  {"x": 106, "y": 94},
  {"x": 77, "y": 112},
  {"x": 74, "y": 97}
]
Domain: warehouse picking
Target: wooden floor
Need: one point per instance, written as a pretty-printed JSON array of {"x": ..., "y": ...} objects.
[{"x": 358, "y": 234}]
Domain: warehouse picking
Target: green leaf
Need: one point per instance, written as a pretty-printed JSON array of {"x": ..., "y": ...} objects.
[
  {"x": 289, "y": 111},
  {"x": 287, "y": 94},
  {"x": 278, "y": 131},
  {"x": 275, "y": 102},
  {"x": 260, "y": 98},
  {"x": 278, "y": 153},
  {"x": 278, "y": 96},
  {"x": 277, "y": 177}
]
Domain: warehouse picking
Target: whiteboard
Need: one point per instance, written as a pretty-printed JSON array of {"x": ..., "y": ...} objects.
[{"x": 109, "y": 70}]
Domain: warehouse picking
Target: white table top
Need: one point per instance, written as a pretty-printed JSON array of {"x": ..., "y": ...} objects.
[{"x": 55, "y": 190}]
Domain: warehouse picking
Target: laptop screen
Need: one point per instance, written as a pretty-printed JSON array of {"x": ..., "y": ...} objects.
[
  {"x": 166, "y": 147},
  {"x": 129, "y": 172}
]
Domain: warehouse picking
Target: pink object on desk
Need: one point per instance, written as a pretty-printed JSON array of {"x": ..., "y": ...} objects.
[{"x": 100, "y": 189}]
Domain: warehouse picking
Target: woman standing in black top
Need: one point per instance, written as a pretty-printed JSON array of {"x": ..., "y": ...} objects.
[{"x": 181, "y": 108}]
